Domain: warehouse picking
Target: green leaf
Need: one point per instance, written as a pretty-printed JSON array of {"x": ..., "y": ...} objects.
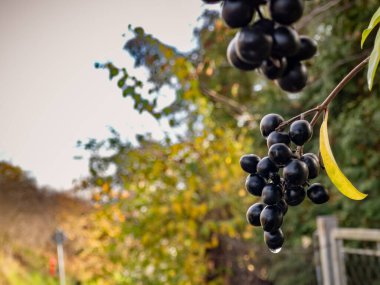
[
  {"x": 374, "y": 21},
  {"x": 373, "y": 61},
  {"x": 332, "y": 169}
]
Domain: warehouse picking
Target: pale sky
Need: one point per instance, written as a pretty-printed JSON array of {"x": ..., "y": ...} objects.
[{"x": 51, "y": 95}]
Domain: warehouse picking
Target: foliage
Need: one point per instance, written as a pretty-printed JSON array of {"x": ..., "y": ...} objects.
[{"x": 175, "y": 210}]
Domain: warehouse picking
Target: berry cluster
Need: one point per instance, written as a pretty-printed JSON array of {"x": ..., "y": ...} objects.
[
  {"x": 278, "y": 190},
  {"x": 270, "y": 45}
]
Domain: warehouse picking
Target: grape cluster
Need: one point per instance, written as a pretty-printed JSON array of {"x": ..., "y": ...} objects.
[
  {"x": 270, "y": 45},
  {"x": 280, "y": 189}
]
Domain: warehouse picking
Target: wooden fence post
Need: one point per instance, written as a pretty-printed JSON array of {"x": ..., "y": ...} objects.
[{"x": 325, "y": 224}]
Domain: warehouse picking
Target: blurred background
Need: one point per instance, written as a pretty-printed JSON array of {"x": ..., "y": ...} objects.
[{"x": 123, "y": 124}]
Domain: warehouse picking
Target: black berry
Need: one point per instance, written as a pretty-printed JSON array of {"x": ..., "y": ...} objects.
[
  {"x": 296, "y": 172},
  {"x": 295, "y": 77},
  {"x": 269, "y": 123},
  {"x": 274, "y": 239},
  {"x": 300, "y": 132},
  {"x": 285, "y": 42},
  {"x": 266, "y": 167},
  {"x": 294, "y": 195},
  {"x": 249, "y": 163},
  {"x": 318, "y": 194},
  {"x": 255, "y": 184},
  {"x": 272, "y": 194},
  {"x": 312, "y": 164},
  {"x": 280, "y": 154},
  {"x": 283, "y": 206},
  {"x": 308, "y": 48},
  {"x": 271, "y": 218},
  {"x": 278, "y": 137},
  {"x": 273, "y": 68},
  {"x": 286, "y": 12},
  {"x": 235, "y": 61},
  {"x": 253, "y": 214},
  {"x": 237, "y": 14}
]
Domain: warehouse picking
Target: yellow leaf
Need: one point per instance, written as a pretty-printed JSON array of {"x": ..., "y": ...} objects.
[{"x": 336, "y": 176}]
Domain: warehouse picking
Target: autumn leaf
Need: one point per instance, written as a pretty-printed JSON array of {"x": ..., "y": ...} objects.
[{"x": 332, "y": 169}]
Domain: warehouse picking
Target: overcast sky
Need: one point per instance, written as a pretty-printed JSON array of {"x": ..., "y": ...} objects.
[{"x": 50, "y": 93}]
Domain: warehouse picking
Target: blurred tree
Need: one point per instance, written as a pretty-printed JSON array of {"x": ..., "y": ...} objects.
[{"x": 180, "y": 204}]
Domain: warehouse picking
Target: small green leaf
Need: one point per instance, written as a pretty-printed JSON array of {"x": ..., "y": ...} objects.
[
  {"x": 373, "y": 61},
  {"x": 374, "y": 21}
]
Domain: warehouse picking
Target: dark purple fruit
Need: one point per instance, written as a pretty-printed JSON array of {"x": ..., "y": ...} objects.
[
  {"x": 273, "y": 68},
  {"x": 235, "y": 61},
  {"x": 274, "y": 239},
  {"x": 266, "y": 25},
  {"x": 296, "y": 172},
  {"x": 294, "y": 195},
  {"x": 269, "y": 123},
  {"x": 255, "y": 184},
  {"x": 308, "y": 48},
  {"x": 278, "y": 137},
  {"x": 286, "y": 12},
  {"x": 280, "y": 154},
  {"x": 312, "y": 164},
  {"x": 211, "y": 1},
  {"x": 295, "y": 78},
  {"x": 266, "y": 167},
  {"x": 272, "y": 194},
  {"x": 253, "y": 44},
  {"x": 237, "y": 14},
  {"x": 271, "y": 218},
  {"x": 300, "y": 132},
  {"x": 253, "y": 214},
  {"x": 318, "y": 194},
  {"x": 249, "y": 163},
  {"x": 285, "y": 42},
  {"x": 283, "y": 206}
]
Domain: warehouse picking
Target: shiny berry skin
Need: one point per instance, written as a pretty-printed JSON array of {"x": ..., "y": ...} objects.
[
  {"x": 278, "y": 137},
  {"x": 266, "y": 167},
  {"x": 253, "y": 214},
  {"x": 274, "y": 240},
  {"x": 253, "y": 44},
  {"x": 308, "y": 48},
  {"x": 280, "y": 154},
  {"x": 237, "y": 14},
  {"x": 300, "y": 132},
  {"x": 271, "y": 218},
  {"x": 272, "y": 194},
  {"x": 273, "y": 68},
  {"x": 296, "y": 172},
  {"x": 269, "y": 123},
  {"x": 266, "y": 25},
  {"x": 294, "y": 195},
  {"x": 283, "y": 206},
  {"x": 286, "y": 42},
  {"x": 255, "y": 184},
  {"x": 235, "y": 61},
  {"x": 318, "y": 194},
  {"x": 249, "y": 163},
  {"x": 312, "y": 164},
  {"x": 211, "y": 1},
  {"x": 286, "y": 12},
  {"x": 294, "y": 78}
]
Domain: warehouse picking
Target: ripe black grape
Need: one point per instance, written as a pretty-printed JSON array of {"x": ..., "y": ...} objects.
[
  {"x": 269, "y": 123},
  {"x": 300, "y": 132},
  {"x": 253, "y": 214},
  {"x": 286, "y": 12},
  {"x": 286, "y": 42},
  {"x": 296, "y": 172},
  {"x": 255, "y": 184},
  {"x": 318, "y": 194},
  {"x": 294, "y": 78},
  {"x": 237, "y": 14},
  {"x": 280, "y": 154},
  {"x": 266, "y": 167},
  {"x": 274, "y": 239},
  {"x": 249, "y": 163},
  {"x": 294, "y": 195},
  {"x": 272, "y": 194},
  {"x": 278, "y": 137},
  {"x": 271, "y": 218}
]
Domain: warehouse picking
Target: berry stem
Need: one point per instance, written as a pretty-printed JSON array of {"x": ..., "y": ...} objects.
[
  {"x": 259, "y": 13},
  {"x": 324, "y": 105},
  {"x": 337, "y": 89}
]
